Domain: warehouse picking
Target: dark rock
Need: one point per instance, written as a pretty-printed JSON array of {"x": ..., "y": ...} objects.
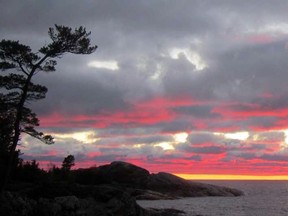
[
  {"x": 175, "y": 186},
  {"x": 123, "y": 173},
  {"x": 120, "y": 184},
  {"x": 165, "y": 212},
  {"x": 100, "y": 201},
  {"x": 150, "y": 195},
  {"x": 166, "y": 184},
  {"x": 14, "y": 205}
]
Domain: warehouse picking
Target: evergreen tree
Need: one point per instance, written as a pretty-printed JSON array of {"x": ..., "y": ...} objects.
[
  {"x": 68, "y": 162},
  {"x": 17, "y": 88}
]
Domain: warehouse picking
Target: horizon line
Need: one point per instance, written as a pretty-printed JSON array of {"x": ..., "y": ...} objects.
[{"x": 230, "y": 177}]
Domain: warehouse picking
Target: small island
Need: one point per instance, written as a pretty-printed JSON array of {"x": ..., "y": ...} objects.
[{"x": 105, "y": 190}]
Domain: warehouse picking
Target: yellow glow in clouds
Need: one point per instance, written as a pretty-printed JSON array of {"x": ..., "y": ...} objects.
[
  {"x": 85, "y": 137},
  {"x": 180, "y": 137}
]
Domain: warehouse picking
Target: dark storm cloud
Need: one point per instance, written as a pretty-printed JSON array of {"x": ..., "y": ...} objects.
[
  {"x": 246, "y": 9},
  {"x": 253, "y": 71},
  {"x": 71, "y": 95},
  {"x": 245, "y": 75},
  {"x": 240, "y": 74}
]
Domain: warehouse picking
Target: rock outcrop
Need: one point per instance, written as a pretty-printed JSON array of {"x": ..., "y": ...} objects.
[
  {"x": 122, "y": 173},
  {"x": 98, "y": 201},
  {"x": 110, "y": 190},
  {"x": 175, "y": 186},
  {"x": 166, "y": 185}
]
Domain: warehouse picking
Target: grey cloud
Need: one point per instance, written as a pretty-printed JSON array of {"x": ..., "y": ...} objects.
[
  {"x": 109, "y": 157},
  {"x": 178, "y": 125},
  {"x": 135, "y": 140},
  {"x": 195, "y": 158},
  {"x": 152, "y": 139},
  {"x": 179, "y": 76},
  {"x": 198, "y": 138},
  {"x": 269, "y": 136},
  {"x": 42, "y": 158},
  {"x": 69, "y": 94},
  {"x": 256, "y": 70},
  {"x": 139, "y": 37},
  {"x": 202, "y": 149},
  {"x": 208, "y": 150},
  {"x": 198, "y": 111},
  {"x": 121, "y": 151},
  {"x": 275, "y": 157}
]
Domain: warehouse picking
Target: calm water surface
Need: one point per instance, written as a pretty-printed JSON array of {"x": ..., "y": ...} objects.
[{"x": 262, "y": 198}]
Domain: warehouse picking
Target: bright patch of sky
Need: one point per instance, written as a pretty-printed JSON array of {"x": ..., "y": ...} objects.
[
  {"x": 109, "y": 65},
  {"x": 273, "y": 28},
  {"x": 84, "y": 137},
  {"x": 157, "y": 73},
  {"x": 191, "y": 56},
  {"x": 285, "y": 144},
  {"x": 180, "y": 137},
  {"x": 242, "y": 135},
  {"x": 165, "y": 146}
]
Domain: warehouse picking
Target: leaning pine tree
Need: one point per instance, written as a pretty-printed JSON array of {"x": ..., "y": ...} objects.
[{"x": 17, "y": 88}]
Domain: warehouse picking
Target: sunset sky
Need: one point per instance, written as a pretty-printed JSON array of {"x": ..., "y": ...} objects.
[{"x": 184, "y": 86}]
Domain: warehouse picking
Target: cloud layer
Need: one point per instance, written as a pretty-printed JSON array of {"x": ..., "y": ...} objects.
[{"x": 197, "y": 68}]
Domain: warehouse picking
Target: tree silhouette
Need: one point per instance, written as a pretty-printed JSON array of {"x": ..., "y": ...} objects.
[
  {"x": 68, "y": 162},
  {"x": 18, "y": 88}
]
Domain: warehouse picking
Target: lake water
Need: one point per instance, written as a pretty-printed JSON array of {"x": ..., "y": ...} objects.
[{"x": 262, "y": 198}]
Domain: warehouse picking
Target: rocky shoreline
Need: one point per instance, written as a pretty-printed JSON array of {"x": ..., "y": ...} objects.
[
  {"x": 100, "y": 201},
  {"x": 114, "y": 191}
]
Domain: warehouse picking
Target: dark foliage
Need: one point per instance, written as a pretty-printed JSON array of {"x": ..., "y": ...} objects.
[
  {"x": 68, "y": 162},
  {"x": 17, "y": 88}
]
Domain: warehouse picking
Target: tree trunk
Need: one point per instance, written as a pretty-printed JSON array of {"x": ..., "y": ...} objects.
[{"x": 17, "y": 132}]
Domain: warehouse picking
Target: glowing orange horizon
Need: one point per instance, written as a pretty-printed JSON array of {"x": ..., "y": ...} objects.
[{"x": 230, "y": 177}]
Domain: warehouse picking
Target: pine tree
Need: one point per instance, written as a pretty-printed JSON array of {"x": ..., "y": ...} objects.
[
  {"x": 68, "y": 162},
  {"x": 17, "y": 88}
]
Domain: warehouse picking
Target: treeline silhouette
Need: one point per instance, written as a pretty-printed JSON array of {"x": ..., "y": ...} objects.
[{"x": 27, "y": 173}]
